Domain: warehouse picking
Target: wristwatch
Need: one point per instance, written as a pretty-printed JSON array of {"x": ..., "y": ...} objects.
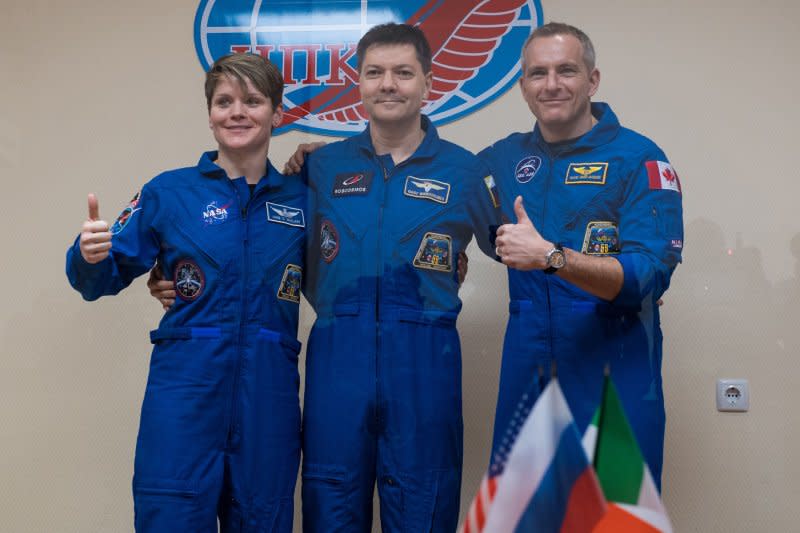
[{"x": 555, "y": 259}]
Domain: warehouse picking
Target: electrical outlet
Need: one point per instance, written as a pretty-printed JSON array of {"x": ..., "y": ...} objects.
[{"x": 733, "y": 395}]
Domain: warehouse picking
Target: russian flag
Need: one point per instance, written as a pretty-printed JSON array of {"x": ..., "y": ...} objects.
[{"x": 547, "y": 484}]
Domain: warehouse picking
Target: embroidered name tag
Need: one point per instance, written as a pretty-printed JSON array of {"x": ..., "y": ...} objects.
[
  {"x": 593, "y": 173},
  {"x": 437, "y": 191},
  {"x": 284, "y": 214}
]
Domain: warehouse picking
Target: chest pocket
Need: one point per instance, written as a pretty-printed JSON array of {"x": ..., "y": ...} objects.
[
  {"x": 353, "y": 218},
  {"x": 277, "y": 236},
  {"x": 434, "y": 218},
  {"x": 601, "y": 206},
  {"x": 194, "y": 243}
]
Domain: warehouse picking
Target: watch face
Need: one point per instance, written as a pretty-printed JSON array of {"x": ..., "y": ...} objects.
[{"x": 556, "y": 258}]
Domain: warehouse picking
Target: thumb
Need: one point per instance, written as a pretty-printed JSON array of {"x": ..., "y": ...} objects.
[
  {"x": 94, "y": 207},
  {"x": 519, "y": 211}
]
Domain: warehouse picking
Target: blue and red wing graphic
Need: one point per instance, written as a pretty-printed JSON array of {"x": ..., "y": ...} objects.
[{"x": 475, "y": 45}]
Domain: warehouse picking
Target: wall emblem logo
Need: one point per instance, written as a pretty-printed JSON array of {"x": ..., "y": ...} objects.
[{"x": 475, "y": 45}]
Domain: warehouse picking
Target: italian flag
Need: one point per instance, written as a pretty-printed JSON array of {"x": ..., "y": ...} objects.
[{"x": 634, "y": 505}]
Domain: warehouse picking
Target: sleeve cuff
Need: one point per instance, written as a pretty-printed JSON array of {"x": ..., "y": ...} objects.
[{"x": 631, "y": 293}]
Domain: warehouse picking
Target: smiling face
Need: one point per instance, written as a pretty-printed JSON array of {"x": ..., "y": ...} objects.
[
  {"x": 393, "y": 85},
  {"x": 558, "y": 85},
  {"x": 242, "y": 118}
]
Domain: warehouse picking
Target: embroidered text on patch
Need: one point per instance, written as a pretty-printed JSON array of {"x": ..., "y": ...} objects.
[
  {"x": 212, "y": 214},
  {"x": 527, "y": 168},
  {"x": 352, "y": 183},
  {"x": 591, "y": 173},
  {"x": 601, "y": 238},
  {"x": 428, "y": 189},
  {"x": 435, "y": 252},
  {"x": 284, "y": 214}
]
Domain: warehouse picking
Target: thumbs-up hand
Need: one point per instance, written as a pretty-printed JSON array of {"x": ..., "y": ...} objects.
[
  {"x": 520, "y": 245},
  {"x": 95, "y": 239}
]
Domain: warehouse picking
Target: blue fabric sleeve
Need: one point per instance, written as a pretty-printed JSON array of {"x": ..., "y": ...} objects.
[
  {"x": 134, "y": 249},
  {"x": 651, "y": 233}
]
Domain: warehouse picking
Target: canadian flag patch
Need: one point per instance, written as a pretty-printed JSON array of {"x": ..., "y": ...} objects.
[{"x": 662, "y": 176}]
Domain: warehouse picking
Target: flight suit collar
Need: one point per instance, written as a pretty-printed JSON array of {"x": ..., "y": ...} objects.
[
  {"x": 428, "y": 148},
  {"x": 603, "y": 132},
  {"x": 210, "y": 169}
]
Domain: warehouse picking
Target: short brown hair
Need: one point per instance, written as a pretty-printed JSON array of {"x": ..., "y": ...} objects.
[
  {"x": 241, "y": 67},
  {"x": 559, "y": 28}
]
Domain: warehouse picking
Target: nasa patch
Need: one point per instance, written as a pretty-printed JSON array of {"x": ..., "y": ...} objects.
[
  {"x": 189, "y": 280},
  {"x": 435, "y": 252},
  {"x": 125, "y": 216},
  {"x": 284, "y": 214},
  {"x": 591, "y": 173},
  {"x": 527, "y": 168},
  {"x": 475, "y": 47},
  {"x": 291, "y": 281},
  {"x": 601, "y": 238},
  {"x": 352, "y": 183},
  {"x": 213, "y": 214},
  {"x": 427, "y": 189},
  {"x": 328, "y": 241}
]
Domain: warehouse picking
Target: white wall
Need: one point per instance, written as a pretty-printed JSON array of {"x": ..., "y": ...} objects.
[{"x": 99, "y": 96}]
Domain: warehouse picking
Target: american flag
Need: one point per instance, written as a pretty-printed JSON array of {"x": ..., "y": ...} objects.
[{"x": 479, "y": 508}]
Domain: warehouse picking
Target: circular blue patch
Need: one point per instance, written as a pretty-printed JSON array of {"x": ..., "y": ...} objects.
[
  {"x": 189, "y": 280},
  {"x": 527, "y": 168}
]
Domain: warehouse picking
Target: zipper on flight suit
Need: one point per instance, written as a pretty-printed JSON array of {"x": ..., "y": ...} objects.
[
  {"x": 547, "y": 279},
  {"x": 378, "y": 276},
  {"x": 378, "y": 272},
  {"x": 234, "y": 413}
]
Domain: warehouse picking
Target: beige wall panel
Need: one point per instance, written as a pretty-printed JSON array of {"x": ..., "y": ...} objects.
[{"x": 100, "y": 96}]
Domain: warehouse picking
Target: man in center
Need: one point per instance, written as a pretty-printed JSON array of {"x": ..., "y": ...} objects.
[{"x": 392, "y": 208}]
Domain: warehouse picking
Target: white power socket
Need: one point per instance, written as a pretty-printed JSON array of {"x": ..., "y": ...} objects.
[{"x": 733, "y": 395}]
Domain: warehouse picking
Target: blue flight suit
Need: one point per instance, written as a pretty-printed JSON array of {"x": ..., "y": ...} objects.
[
  {"x": 219, "y": 435},
  {"x": 603, "y": 194},
  {"x": 383, "y": 368}
]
